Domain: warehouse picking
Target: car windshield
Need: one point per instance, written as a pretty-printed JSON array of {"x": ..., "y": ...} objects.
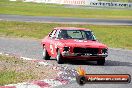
[{"x": 76, "y": 34}]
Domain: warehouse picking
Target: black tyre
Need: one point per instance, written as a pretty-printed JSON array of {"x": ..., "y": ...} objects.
[
  {"x": 101, "y": 62},
  {"x": 59, "y": 58},
  {"x": 81, "y": 80},
  {"x": 45, "y": 54}
]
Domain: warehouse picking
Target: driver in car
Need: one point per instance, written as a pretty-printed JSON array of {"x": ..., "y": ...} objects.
[{"x": 63, "y": 34}]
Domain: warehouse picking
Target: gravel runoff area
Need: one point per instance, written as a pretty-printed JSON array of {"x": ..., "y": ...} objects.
[
  {"x": 46, "y": 74},
  {"x": 39, "y": 71}
]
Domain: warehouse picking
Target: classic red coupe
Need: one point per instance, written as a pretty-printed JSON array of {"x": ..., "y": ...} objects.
[{"x": 64, "y": 43}]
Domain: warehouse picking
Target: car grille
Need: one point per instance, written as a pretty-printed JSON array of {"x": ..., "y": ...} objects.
[{"x": 85, "y": 50}]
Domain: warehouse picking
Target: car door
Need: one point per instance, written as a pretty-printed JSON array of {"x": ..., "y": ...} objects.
[
  {"x": 54, "y": 43},
  {"x": 51, "y": 45},
  {"x": 49, "y": 42}
]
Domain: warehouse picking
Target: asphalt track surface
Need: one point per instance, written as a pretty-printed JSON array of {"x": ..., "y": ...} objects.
[
  {"x": 66, "y": 20},
  {"x": 118, "y": 62}
]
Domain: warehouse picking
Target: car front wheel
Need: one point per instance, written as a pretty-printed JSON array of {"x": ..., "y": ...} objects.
[
  {"x": 101, "y": 62},
  {"x": 59, "y": 57},
  {"x": 45, "y": 54}
]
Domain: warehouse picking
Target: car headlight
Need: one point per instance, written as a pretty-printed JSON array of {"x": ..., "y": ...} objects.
[
  {"x": 66, "y": 48},
  {"x": 105, "y": 50}
]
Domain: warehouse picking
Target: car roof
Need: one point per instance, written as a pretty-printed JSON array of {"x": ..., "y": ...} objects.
[{"x": 70, "y": 28}]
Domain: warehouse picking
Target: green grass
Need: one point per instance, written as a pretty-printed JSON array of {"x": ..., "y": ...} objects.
[
  {"x": 113, "y": 36},
  {"x": 8, "y": 76},
  {"x": 35, "y": 9}
]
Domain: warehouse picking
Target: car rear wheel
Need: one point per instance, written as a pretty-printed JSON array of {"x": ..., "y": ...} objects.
[
  {"x": 101, "y": 62},
  {"x": 45, "y": 54},
  {"x": 59, "y": 57}
]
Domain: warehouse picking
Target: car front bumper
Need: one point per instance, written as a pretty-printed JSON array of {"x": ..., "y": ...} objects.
[{"x": 68, "y": 54}]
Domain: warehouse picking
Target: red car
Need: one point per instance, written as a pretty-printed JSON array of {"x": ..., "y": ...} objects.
[{"x": 73, "y": 43}]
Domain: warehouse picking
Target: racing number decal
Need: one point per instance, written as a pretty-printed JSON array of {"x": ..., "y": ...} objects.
[{"x": 51, "y": 48}]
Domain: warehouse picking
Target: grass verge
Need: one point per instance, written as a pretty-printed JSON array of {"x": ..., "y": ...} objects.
[
  {"x": 113, "y": 36},
  {"x": 35, "y": 9},
  {"x": 8, "y": 77},
  {"x": 14, "y": 70}
]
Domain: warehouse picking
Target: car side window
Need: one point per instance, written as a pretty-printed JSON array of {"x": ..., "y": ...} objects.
[
  {"x": 90, "y": 35},
  {"x": 57, "y": 33},
  {"x": 52, "y": 34}
]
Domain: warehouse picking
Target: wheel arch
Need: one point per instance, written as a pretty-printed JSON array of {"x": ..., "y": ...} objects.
[
  {"x": 43, "y": 45},
  {"x": 57, "y": 49}
]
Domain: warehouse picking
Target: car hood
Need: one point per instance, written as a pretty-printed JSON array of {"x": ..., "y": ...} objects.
[{"x": 83, "y": 43}]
